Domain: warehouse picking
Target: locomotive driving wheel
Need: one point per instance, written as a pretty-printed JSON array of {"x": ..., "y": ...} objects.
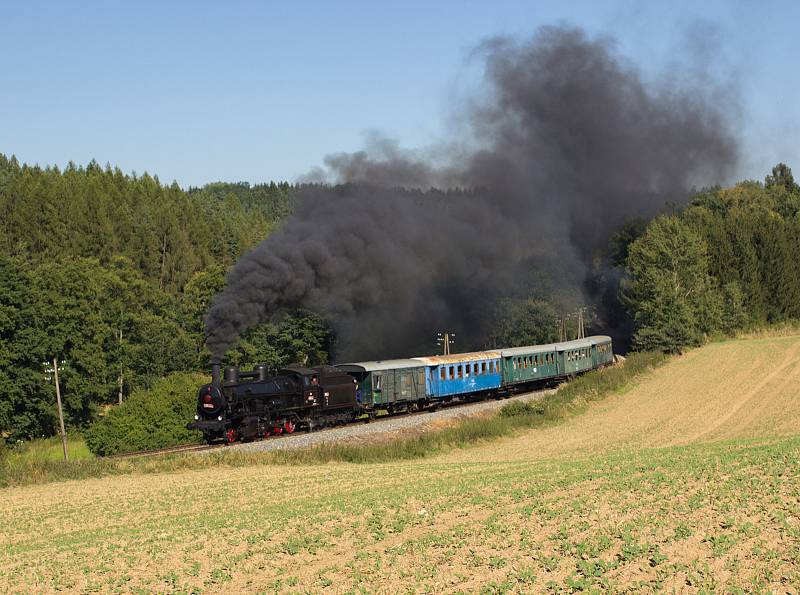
[
  {"x": 289, "y": 426},
  {"x": 230, "y": 435}
]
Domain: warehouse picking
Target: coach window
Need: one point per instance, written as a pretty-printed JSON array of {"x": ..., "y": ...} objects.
[
  {"x": 378, "y": 378},
  {"x": 483, "y": 368},
  {"x": 466, "y": 370},
  {"x": 442, "y": 373},
  {"x": 452, "y": 373}
]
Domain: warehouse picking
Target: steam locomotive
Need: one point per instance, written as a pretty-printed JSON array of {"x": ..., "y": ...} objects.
[{"x": 257, "y": 404}]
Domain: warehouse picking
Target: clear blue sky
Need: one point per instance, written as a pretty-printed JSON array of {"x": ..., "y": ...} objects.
[{"x": 204, "y": 91}]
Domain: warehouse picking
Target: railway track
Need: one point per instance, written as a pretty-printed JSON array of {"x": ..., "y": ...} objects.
[
  {"x": 378, "y": 421},
  {"x": 166, "y": 451}
]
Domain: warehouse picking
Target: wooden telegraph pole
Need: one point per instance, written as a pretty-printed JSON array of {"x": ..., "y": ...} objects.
[{"x": 60, "y": 409}]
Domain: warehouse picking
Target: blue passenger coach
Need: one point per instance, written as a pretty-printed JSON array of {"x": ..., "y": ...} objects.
[{"x": 449, "y": 376}]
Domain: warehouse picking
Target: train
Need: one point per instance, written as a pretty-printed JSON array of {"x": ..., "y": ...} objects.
[{"x": 245, "y": 406}]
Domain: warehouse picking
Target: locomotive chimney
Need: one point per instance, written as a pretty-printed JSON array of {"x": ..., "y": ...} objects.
[{"x": 215, "y": 374}]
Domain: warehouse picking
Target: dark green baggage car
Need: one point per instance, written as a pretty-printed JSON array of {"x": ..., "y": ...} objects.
[{"x": 389, "y": 384}]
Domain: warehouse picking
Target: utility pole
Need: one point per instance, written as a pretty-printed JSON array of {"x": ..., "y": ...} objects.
[
  {"x": 120, "y": 367},
  {"x": 445, "y": 340},
  {"x": 54, "y": 372}
]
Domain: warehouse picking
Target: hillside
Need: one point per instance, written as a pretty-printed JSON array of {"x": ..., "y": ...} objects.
[
  {"x": 685, "y": 482},
  {"x": 730, "y": 390}
]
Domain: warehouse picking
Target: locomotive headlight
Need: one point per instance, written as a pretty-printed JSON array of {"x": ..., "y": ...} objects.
[
  {"x": 219, "y": 418},
  {"x": 196, "y": 417}
]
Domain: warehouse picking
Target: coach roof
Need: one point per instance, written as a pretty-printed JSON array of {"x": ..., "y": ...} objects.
[
  {"x": 514, "y": 351},
  {"x": 378, "y": 365},
  {"x": 458, "y": 358}
]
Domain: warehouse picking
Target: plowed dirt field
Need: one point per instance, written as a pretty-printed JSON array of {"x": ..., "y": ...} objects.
[{"x": 685, "y": 482}]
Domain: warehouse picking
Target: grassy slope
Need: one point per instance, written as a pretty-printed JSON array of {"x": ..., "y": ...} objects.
[
  {"x": 686, "y": 481},
  {"x": 729, "y": 390}
]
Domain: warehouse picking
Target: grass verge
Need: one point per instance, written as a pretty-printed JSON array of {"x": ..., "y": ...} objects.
[{"x": 570, "y": 399}]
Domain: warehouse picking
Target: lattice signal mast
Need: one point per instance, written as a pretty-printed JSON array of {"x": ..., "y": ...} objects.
[{"x": 445, "y": 340}]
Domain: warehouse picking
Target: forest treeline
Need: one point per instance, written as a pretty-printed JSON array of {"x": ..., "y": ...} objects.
[
  {"x": 727, "y": 261},
  {"x": 112, "y": 274}
]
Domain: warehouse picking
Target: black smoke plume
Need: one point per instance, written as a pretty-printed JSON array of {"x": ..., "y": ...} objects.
[{"x": 566, "y": 142}]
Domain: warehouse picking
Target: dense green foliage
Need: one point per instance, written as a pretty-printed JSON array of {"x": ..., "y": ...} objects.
[
  {"x": 167, "y": 234},
  {"x": 112, "y": 274},
  {"x": 674, "y": 295},
  {"x": 523, "y": 322},
  {"x": 149, "y": 419},
  {"x": 112, "y": 330},
  {"x": 729, "y": 261}
]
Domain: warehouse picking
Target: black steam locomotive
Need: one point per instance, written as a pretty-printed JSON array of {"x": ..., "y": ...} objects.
[{"x": 253, "y": 405}]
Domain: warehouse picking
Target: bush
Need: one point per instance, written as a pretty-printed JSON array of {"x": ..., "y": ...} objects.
[
  {"x": 521, "y": 408},
  {"x": 149, "y": 419}
]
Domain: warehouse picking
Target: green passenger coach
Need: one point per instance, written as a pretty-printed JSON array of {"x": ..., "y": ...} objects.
[
  {"x": 575, "y": 356},
  {"x": 529, "y": 364},
  {"x": 602, "y": 352}
]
